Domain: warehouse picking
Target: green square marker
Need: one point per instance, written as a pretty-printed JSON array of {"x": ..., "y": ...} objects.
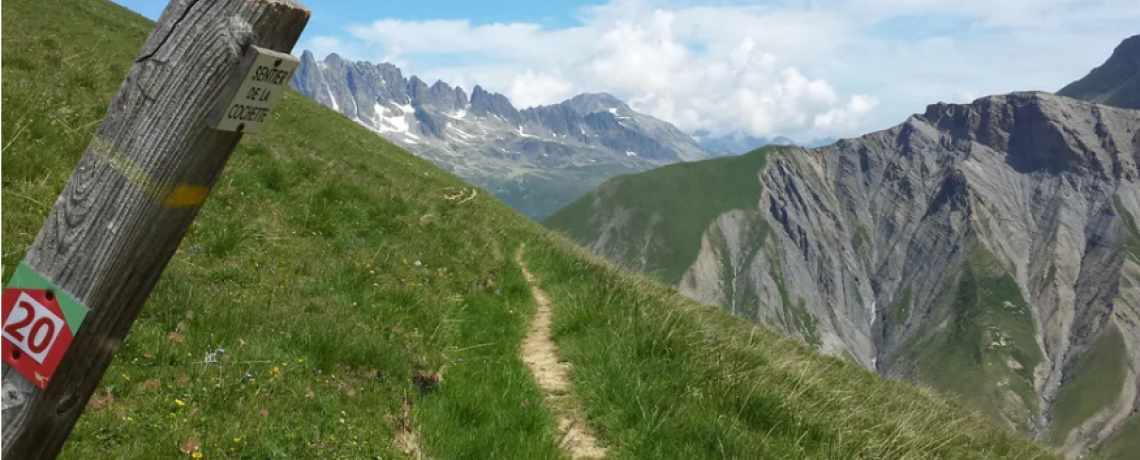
[{"x": 73, "y": 311}]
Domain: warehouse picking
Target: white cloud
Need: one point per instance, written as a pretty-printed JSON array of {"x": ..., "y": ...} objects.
[
  {"x": 530, "y": 88},
  {"x": 802, "y": 68},
  {"x": 848, "y": 116}
]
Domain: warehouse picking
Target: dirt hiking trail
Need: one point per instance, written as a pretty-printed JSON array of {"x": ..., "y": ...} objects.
[{"x": 540, "y": 355}]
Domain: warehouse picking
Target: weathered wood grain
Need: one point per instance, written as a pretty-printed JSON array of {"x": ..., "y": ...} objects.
[{"x": 133, "y": 196}]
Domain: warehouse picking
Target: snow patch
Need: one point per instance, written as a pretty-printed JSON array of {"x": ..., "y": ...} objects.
[
  {"x": 457, "y": 115},
  {"x": 521, "y": 133},
  {"x": 612, "y": 110},
  {"x": 391, "y": 124},
  {"x": 459, "y": 132},
  {"x": 874, "y": 359},
  {"x": 630, "y": 153},
  {"x": 332, "y": 98}
]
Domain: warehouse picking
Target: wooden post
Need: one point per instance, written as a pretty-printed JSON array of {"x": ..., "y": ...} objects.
[{"x": 131, "y": 199}]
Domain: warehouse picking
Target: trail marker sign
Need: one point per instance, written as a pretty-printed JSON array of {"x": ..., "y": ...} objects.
[
  {"x": 209, "y": 72},
  {"x": 40, "y": 321},
  {"x": 254, "y": 90}
]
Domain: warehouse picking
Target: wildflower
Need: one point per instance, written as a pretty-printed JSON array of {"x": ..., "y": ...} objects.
[
  {"x": 276, "y": 371},
  {"x": 179, "y": 403},
  {"x": 127, "y": 378},
  {"x": 196, "y": 454},
  {"x": 237, "y": 440},
  {"x": 510, "y": 312},
  {"x": 301, "y": 361}
]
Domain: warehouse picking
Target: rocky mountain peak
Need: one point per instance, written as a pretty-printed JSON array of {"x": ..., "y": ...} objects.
[
  {"x": 587, "y": 103},
  {"x": 307, "y": 56},
  {"x": 418, "y": 90},
  {"x": 487, "y": 103},
  {"x": 333, "y": 59},
  {"x": 1037, "y": 132}
]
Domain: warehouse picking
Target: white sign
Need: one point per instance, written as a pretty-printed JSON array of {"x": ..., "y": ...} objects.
[
  {"x": 32, "y": 327},
  {"x": 263, "y": 83}
]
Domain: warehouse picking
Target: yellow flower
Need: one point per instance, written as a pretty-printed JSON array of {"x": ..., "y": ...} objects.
[
  {"x": 179, "y": 403},
  {"x": 300, "y": 360},
  {"x": 237, "y": 440},
  {"x": 125, "y": 377},
  {"x": 196, "y": 454},
  {"x": 276, "y": 370},
  {"x": 510, "y": 312}
]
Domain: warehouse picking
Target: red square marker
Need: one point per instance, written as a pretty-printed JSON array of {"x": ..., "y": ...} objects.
[{"x": 35, "y": 333}]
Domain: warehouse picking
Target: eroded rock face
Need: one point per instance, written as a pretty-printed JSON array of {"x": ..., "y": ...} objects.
[
  {"x": 989, "y": 238},
  {"x": 988, "y": 250}
]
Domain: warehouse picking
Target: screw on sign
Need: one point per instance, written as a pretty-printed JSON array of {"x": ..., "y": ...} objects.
[{"x": 39, "y": 322}]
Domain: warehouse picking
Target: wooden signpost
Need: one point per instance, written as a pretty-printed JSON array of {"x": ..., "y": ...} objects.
[{"x": 209, "y": 72}]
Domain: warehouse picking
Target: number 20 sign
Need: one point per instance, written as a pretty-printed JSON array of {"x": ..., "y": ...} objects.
[{"x": 39, "y": 322}]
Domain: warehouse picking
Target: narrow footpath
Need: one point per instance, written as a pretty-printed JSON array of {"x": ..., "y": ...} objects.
[{"x": 540, "y": 355}]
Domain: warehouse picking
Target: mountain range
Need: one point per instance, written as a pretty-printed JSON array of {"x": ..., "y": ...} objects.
[
  {"x": 738, "y": 143},
  {"x": 536, "y": 159},
  {"x": 989, "y": 250}
]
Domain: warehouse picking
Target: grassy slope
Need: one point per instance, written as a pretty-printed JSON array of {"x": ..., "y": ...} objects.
[
  {"x": 302, "y": 260},
  {"x": 303, "y": 266},
  {"x": 1095, "y": 383},
  {"x": 1123, "y": 445},
  {"x": 669, "y": 379},
  {"x": 686, "y": 196},
  {"x": 987, "y": 344},
  {"x": 1115, "y": 82}
]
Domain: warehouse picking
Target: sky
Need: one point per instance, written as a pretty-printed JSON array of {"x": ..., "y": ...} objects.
[{"x": 805, "y": 69}]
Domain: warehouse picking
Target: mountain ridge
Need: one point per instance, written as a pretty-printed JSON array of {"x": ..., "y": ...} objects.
[
  {"x": 536, "y": 159},
  {"x": 871, "y": 246},
  {"x": 1116, "y": 82}
]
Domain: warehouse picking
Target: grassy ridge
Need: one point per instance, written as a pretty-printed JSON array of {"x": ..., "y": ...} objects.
[
  {"x": 688, "y": 196},
  {"x": 665, "y": 378},
  {"x": 327, "y": 264},
  {"x": 338, "y": 278}
]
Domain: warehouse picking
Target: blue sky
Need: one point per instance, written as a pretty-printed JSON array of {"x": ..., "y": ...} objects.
[{"x": 799, "y": 68}]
